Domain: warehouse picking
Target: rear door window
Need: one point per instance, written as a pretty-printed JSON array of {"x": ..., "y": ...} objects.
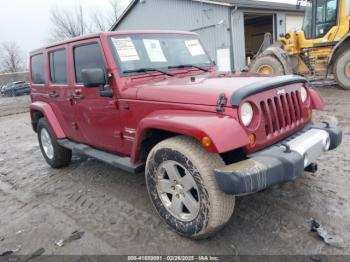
[
  {"x": 37, "y": 66},
  {"x": 58, "y": 66},
  {"x": 87, "y": 57}
]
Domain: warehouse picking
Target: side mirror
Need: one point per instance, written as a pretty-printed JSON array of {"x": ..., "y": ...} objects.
[
  {"x": 93, "y": 77},
  {"x": 96, "y": 77}
]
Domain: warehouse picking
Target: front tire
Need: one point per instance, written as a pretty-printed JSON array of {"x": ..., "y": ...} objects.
[
  {"x": 342, "y": 70},
  {"x": 183, "y": 188},
  {"x": 55, "y": 155},
  {"x": 267, "y": 65}
]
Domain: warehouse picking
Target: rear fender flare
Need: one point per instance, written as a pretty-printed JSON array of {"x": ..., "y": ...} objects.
[
  {"x": 225, "y": 132},
  {"x": 50, "y": 116},
  {"x": 281, "y": 56}
]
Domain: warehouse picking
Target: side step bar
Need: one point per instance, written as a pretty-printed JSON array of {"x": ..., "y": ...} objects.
[{"x": 123, "y": 163}]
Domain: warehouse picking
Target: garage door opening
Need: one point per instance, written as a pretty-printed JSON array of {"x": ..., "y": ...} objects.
[{"x": 255, "y": 27}]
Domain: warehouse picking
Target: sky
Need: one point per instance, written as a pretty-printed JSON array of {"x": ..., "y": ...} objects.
[{"x": 27, "y": 22}]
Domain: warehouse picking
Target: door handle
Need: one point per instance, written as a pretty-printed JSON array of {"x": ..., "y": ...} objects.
[
  {"x": 53, "y": 94},
  {"x": 76, "y": 97},
  {"x": 77, "y": 94}
]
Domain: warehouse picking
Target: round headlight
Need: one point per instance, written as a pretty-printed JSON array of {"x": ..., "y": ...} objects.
[
  {"x": 303, "y": 94},
  {"x": 246, "y": 114}
]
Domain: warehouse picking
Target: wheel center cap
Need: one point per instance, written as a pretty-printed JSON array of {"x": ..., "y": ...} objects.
[{"x": 178, "y": 188}]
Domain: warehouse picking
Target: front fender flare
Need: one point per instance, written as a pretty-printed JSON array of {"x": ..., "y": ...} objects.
[
  {"x": 225, "y": 132},
  {"x": 50, "y": 116}
]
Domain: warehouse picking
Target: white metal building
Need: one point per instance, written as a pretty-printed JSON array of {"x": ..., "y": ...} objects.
[{"x": 230, "y": 29}]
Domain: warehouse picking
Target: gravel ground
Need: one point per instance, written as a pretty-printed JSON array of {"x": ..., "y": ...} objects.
[{"x": 40, "y": 205}]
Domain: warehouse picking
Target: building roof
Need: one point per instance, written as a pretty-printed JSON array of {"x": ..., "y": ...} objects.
[{"x": 253, "y": 4}]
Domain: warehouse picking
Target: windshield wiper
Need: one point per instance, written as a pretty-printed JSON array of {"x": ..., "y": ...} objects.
[
  {"x": 145, "y": 70},
  {"x": 189, "y": 65}
]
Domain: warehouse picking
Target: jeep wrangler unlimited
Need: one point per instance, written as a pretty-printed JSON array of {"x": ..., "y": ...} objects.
[{"x": 153, "y": 101}]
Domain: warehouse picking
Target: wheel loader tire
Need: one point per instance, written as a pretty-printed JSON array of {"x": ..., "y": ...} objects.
[
  {"x": 342, "y": 70},
  {"x": 267, "y": 65}
]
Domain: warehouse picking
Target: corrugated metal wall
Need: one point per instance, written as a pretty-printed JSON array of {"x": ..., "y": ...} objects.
[
  {"x": 210, "y": 21},
  {"x": 238, "y": 39},
  {"x": 280, "y": 24}
]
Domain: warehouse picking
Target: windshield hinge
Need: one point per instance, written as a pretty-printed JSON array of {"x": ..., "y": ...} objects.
[{"x": 220, "y": 105}]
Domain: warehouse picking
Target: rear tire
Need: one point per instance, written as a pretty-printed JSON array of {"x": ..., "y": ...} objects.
[
  {"x": 55, "y": 155},
  {"x": 267, "y": 65},
  {"x": 191, "y": 204},
  {"x": 342, "y": 70}
]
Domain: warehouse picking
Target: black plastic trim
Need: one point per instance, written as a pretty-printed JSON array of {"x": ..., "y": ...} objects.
[
  {"x": 264, "y": 85},
  {"x": 263, "y": 170},
  {"x": 123, "y": 163},
  {"x": 335, "y": 133},
  {"x": 269, "y": 167}
]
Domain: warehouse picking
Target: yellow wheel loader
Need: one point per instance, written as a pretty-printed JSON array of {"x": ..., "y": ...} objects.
[{"x": 320, "y": 49}]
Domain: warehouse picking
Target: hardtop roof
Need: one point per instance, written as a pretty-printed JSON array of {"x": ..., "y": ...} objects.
[{"x": 107, "y": 34}]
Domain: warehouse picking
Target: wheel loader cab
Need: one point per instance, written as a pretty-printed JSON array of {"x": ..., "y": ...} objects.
[
  {"x": 326, "y": 22},
  {"x": 320, "y": 17}
]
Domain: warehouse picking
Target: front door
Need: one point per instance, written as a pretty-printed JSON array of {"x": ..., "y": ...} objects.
[{"x": 98, "y": 119}]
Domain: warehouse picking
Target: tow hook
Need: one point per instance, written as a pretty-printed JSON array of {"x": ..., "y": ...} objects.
[{"x": 312, "y": 168}]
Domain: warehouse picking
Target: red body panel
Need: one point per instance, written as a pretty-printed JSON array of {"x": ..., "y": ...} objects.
[
  {"x": 316, "y": 100},
  {"x": 180, "y": 104},
  {"x": 225, "y": 132}
]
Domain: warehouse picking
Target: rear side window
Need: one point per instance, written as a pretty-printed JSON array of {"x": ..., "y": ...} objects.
[
  {"x": 37, "y": 65},
  {"x": 86, "y": 57},
  {"x": 58, "y": 67}
]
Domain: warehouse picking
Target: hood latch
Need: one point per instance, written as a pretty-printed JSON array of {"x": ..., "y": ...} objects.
[{"x": 220, "y": 105}]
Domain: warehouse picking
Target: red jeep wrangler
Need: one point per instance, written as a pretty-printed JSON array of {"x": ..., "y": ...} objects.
[{"x": 153, "y": 101}]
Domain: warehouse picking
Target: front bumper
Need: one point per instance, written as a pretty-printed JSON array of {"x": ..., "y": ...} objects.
[{"x": 282, "y": 162}]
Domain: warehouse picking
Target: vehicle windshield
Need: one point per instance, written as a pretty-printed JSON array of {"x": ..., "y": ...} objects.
[
  {"x": 143, "y": 52},
  {"x": 326, "y": 17}
]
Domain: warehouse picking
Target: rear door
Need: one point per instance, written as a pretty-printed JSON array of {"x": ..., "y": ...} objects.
[
  {"x": 60, "y": 90},
  {"x": 97, "y": 117}
]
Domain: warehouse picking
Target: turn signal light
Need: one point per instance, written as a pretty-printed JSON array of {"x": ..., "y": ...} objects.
[
  {"x": 309, "y": 114},
  {"x": 206, "y": 141},
  {"x": 252, "y": 139}
]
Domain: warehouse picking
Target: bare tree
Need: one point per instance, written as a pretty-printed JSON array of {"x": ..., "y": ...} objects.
[
  {"x": 76, "y": 22},
  {"x": 67, "y": 23},
  {"x": 116, "y": 8},
  {"x": 103, "y": 21},
  {"x": 11, "y": 58},
  {"x": 98, "y": 21}
]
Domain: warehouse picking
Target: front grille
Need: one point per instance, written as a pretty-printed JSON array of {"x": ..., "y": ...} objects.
[{"x": 281, "y": 112}]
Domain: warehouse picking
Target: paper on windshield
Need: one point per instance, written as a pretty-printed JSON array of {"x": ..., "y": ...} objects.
[
  {"x": 194, "y": 47},
  {"x": 125, "y": 49},
  {"x": 154, "y": 50}
]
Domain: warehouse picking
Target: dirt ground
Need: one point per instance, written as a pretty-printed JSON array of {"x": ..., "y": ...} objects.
[{"x": 40, "y": 205}]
